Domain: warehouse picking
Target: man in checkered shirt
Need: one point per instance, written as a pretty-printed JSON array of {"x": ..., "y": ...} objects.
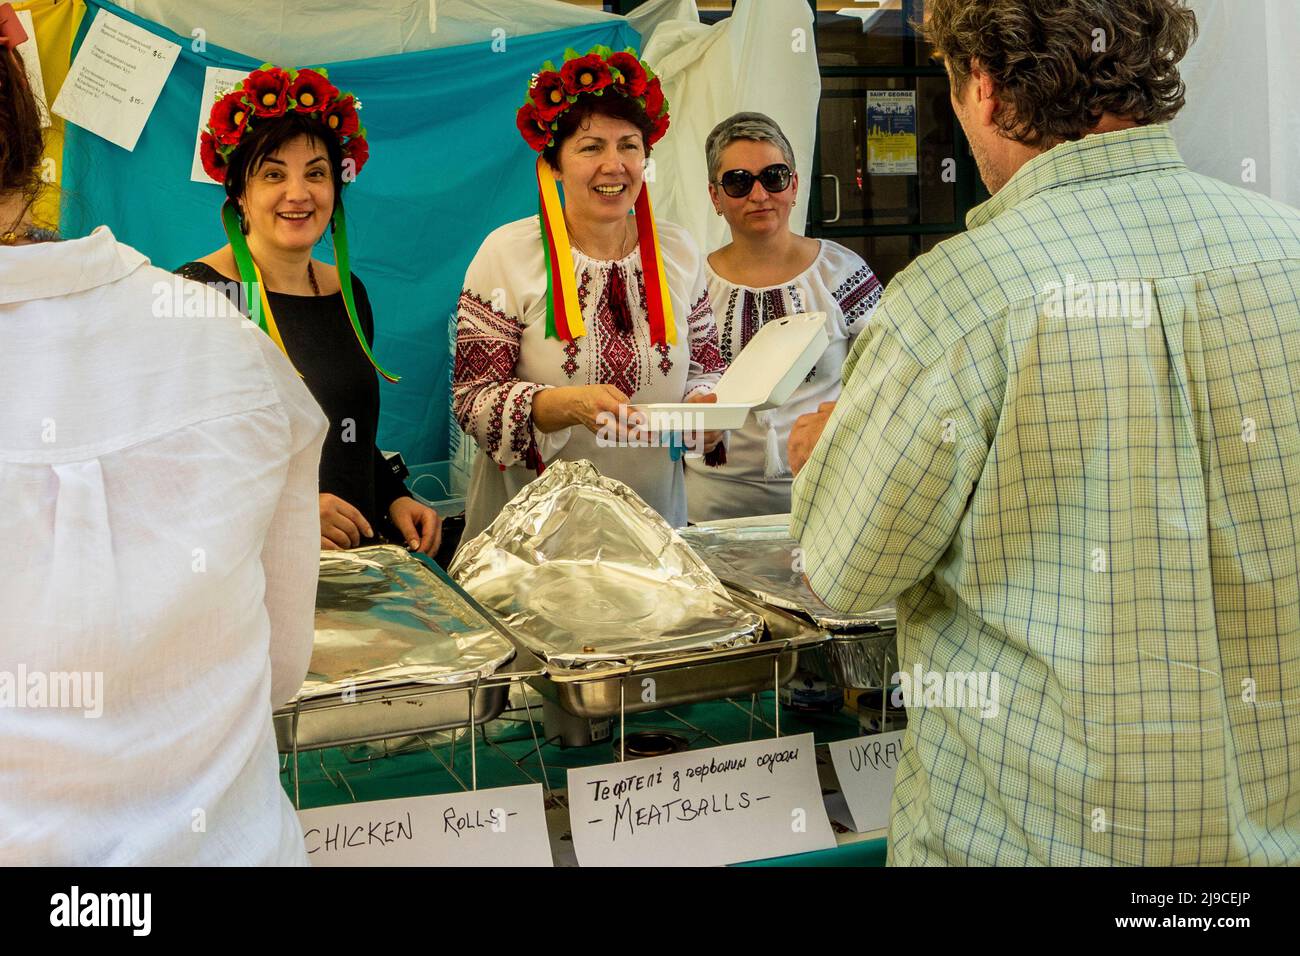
[{"x": 1069, "y": 443}]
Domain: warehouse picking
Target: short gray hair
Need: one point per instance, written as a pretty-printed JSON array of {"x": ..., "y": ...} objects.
[{"x": 751, "y": 126}]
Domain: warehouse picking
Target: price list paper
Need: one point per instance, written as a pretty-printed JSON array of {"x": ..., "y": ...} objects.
[
  {"x": 701, "y": 808},
  {"x": 115, "y": 80},
  {"x": 217, "y": 80},
  {"x": 31, "y": 57}
]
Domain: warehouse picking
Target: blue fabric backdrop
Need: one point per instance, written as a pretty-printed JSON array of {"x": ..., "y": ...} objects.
[{"x": 447, "y": 166}]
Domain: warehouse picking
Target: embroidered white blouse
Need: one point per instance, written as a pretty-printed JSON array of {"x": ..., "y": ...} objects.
[
  {"x": 503, "y": 358},
  {"x": 161, "y": 529},
  {"x": 756, "y": 477}
]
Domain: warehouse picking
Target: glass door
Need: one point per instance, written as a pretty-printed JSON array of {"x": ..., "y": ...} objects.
[{"x": 893, "y": 174}]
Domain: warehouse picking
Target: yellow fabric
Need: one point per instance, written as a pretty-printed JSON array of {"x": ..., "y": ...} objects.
[
  {"x": 56, "y": 23},
  {"x": 563, "y": 255}
]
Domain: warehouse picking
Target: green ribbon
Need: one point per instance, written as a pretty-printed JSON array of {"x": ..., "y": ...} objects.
[
  {"x": 244, "y": 262},
  {"x": 252, "y": 293},
  {"x": 345, "y": 282},
  {"x": 551, "y": 332}
]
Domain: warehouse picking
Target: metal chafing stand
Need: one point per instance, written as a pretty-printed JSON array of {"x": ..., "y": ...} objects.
[
  {"x": 581, "y": 570},
  {"x": 758, "y": 557},
  {"x": 689, "y": 677},
  {"x": 396, "y": 700}
]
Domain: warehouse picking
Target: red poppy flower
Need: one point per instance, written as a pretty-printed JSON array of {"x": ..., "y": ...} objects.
[
  {"x": 213, "y": 164},
  {"x": 654, "y": 98},
  {"x": 357, "y": 150},
  {"x": 268, "y": 91},
  {"x": 660, "y": 127},
  {"x": 549, "y": 95},
  {"x": 229, "y": 117},
  {"x": 311, "y": 91},
  {"x": 632, "y": 79},
  {"x": 535, "y": 130},
  {"x": 586, "y": 74},
  {"x": 341, "y": 117}
]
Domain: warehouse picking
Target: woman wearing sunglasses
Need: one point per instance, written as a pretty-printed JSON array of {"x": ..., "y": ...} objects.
[{"x": 764, "y": 273}]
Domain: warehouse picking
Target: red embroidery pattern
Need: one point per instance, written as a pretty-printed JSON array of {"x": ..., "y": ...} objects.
[
  {"x": 617, "y": 361},
  {"x": 728, "y": 325},
  {"x": 521, "y": 421},
  {"x": 618, "y": 364},
  {"x": 571, "y": 351},
  {"x": 750, "y": 319},
  {"x": 704, "y": 337},
  {"x": 858, "y": 294},
  {"x": 665, "y": 363},
  {"x": 487, "y": 349}
]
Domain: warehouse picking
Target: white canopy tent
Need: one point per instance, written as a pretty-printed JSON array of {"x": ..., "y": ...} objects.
[{"x": 750, "y": 61}]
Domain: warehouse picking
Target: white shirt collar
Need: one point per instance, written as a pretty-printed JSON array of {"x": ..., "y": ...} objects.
[{"x": 46, "y": 270}]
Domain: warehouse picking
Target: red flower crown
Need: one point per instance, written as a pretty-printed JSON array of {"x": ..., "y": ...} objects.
[
  {"x": 600, "y": 70},
  {"x": 268, "y": 92}
]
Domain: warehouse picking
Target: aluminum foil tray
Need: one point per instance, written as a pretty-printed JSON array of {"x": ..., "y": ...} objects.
[
  {"x": 855, "y": 660},
  {"x": 684, "y": 679},
  {"x": 384, "y": 618},
  {"x": 758, "y": 555},
  {"x": 585, "y": 574}
]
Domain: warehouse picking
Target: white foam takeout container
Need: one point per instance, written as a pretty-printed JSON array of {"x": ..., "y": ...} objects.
[{"x": 764, "y": 375}]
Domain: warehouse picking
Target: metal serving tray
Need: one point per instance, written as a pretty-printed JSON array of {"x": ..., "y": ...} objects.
[
  {"x": 402, "y": 707},
  {"x": 754, "y": 556},
  {"x": 855, "y": 660},
  {"x": 398, "y": 711},
  {"x": 687, "y": 678}
]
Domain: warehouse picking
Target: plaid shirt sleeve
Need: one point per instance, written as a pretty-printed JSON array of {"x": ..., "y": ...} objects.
[{"x": 879, "y": 501}]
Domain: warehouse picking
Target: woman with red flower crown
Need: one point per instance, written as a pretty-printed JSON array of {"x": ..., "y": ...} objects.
[
  {"x": 569, "y": 316},
  {"x": 284, "y": 143}
]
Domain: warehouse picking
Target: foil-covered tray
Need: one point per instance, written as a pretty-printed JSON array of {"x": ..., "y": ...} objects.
[
  {"x": 385, "y": 618},
  {"x": 759, "y": 556},
  {"x": 587, "y": 575},
  {"x": 684, "y": 679}
]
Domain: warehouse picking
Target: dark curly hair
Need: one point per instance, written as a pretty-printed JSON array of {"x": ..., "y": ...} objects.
[
  {"x": 1059, "y": 65},
  {"x": 20, "y": 135},
  {"x": 579, "y": 115}
]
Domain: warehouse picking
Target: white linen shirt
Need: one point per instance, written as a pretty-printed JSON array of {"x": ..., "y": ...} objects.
[{"x": 160, "y": 527}]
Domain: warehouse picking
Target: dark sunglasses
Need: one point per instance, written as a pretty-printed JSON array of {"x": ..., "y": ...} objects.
[{"x": 739, "y": 183}]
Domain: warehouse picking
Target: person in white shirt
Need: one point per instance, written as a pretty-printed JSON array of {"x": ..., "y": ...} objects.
[
  {"x": 767, "y": 272},
  {"x": 158, "y": 468}
]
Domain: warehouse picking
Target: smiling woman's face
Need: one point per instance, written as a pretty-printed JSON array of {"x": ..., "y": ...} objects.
[
  {"x": 761, "y": 212},
  {"x": 289, "y": 198},
  {"x": 601, "y": 166}
]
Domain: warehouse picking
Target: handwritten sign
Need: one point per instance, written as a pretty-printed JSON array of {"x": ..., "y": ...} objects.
[
  {"x": 31, "y": 57},
  {"x": 216, "y": 80},
  {"x": 701, "y": 808},
  {"x": 115, "y": 80},
  {"x": 865, "y": 767},
  {"x": 499, "y": 827}
]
